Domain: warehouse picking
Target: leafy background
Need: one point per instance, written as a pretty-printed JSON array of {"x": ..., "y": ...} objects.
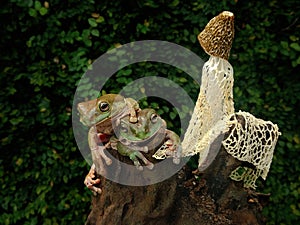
[{"x": 46, "y": 46}]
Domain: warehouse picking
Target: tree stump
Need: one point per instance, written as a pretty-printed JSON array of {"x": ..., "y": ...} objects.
[{"x": 184, "y": 199}]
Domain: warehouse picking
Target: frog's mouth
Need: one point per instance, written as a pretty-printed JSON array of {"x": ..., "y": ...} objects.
[
  {"x": 86, "y": 122},
  {"x": 92, "y": 118}
]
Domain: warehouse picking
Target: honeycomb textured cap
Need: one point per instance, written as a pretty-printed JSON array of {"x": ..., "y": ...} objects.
[{"x": 217, "y": 37}]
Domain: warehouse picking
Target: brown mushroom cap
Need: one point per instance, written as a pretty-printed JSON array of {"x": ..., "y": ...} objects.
[{"x": 217, "y": 36}]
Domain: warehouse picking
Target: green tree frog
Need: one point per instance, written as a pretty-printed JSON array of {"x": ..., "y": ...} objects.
[
  {"x": 99, "y": 114},
  {"x": 149, "y": 133}
]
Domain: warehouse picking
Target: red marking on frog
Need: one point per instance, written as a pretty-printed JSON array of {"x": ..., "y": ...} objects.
[{"x": 103, "y": 138}]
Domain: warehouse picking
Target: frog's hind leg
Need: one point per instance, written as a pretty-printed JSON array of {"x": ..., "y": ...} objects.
[{"x": 134, "y": 158}]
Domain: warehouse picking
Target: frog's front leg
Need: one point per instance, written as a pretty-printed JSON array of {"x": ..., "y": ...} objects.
[
  {"x": 90, "y": 181},
  {"x": 170, "y": 148},
  {"x": 134, "y": 156},
  {"x": 134, "y": 147},
  {"x": 173, "y": 143},
  {"x": 97, "y": 150}
]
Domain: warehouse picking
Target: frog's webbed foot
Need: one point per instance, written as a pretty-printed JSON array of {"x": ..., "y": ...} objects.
[
  {"x": 134, "y": 158},
  {"x": 90, "y": 181}
]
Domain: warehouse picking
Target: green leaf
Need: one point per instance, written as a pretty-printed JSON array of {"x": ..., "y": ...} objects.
[
  {"x": 182, "y": 80},
  {"x": 165, "y": 109},
  {"x": 295, "y": 46},
  {"x": 122, "y": 80},
  {"x": 100, "y": 19},
  {"x": 175, "y": 3},
  {"x": 43, "y": 11},
  {"x": 95, "y": 32},
  {"x": 127, "y": 72},
  {"x": 87, "y": 42},
  {"x": 294, "y": 38},
  {"x": 16, "y": 121},
  {"x": 296, "y": 62},
  {"x": 32, "y": 12},
  {"x": 92, "y": 22},
  {"x": 65, "y": 179},
  {"x": 37, "y": 5},
  {"x": 172, "y": 115},
  {"x": 284, "y": 44},
  {"x": 40, "y": 188}
]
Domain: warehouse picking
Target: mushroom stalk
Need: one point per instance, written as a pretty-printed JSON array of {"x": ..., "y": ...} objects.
[
  {"x": 215, "y": 100},
  {"x": 248, "y": 138}
]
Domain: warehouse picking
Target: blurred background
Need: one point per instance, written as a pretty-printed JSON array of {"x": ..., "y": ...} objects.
[{"x": 46, "y": 46}]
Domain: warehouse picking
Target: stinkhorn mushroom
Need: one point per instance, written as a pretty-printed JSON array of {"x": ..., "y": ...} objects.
[
  {"x": 248, "y": 139},
  {"x": 215, "y": 100}
]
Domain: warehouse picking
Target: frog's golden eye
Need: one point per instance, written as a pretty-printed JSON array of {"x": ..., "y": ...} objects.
[
  {"x": 103, "y": 106},
  {"x": 154, "y": 118}
]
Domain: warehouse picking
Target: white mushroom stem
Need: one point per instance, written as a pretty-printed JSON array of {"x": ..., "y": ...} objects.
[
  {"x": 214, "y": 105},
  {"x": 215, "y": 100}
]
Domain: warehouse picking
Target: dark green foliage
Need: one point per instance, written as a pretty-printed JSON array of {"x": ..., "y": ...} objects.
[{"x": 47, "y": 46}]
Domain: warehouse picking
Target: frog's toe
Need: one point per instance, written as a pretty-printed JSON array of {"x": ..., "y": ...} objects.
[
  {"x": 139, "y": 167},
  {"x": 90, "y": 177},
  {"x": 90, "y": 182},
  {"x": 136, "y": 162},
  {"x": 133, "y": 119},
  {"x": 108, "y": 161},
  {"x": 150, "y": 166},
  {"x": 144, "y": 149},
  {"x": 96, "y": 190}
]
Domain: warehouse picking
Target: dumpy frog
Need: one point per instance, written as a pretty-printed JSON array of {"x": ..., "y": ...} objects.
[
  {"x": 149, "y": 133},
  {"x": 99, "y": 114}
]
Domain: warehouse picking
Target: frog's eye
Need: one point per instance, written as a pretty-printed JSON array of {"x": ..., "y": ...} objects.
[
  {"x": 154, "y": 118},
  {"x": 103, "y": 106}
]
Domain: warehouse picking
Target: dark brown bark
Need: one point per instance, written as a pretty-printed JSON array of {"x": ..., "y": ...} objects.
[{"x": 184, "y": 199}]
